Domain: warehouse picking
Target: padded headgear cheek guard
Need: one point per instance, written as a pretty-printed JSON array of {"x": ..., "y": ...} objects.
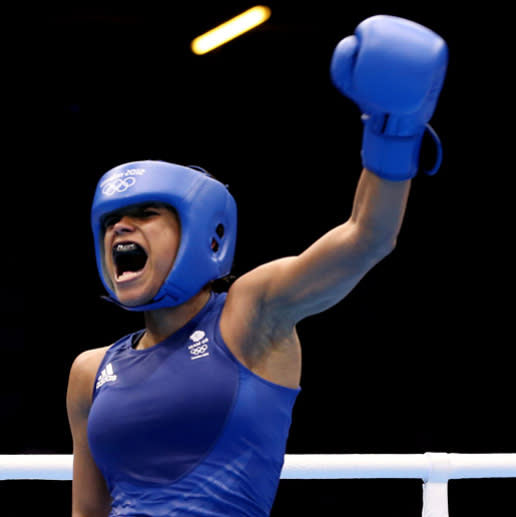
[{"x": 207, "y": 214}]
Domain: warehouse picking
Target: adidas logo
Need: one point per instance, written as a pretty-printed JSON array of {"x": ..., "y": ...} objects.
[
  {"x": 199, "y": 348},
  {"x": 106, "y": 375}
]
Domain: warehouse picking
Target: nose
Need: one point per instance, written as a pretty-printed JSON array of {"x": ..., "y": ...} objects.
[{"x": 123, "y": 225}]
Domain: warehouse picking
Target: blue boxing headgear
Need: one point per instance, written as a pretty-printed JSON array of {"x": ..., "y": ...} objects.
[{"x": 207, "y": 214}]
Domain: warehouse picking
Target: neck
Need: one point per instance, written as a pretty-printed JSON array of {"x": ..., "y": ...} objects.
[{"x": 162, "y": 323}]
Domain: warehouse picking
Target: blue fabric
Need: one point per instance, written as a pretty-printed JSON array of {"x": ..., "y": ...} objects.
[{"x": 184, "y": 429}]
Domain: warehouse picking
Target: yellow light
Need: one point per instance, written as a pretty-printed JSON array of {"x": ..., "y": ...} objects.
[{"x": 231, "y": 29}]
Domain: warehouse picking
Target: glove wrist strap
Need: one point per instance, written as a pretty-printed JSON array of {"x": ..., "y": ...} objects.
[{"x": 395, "y": 158}]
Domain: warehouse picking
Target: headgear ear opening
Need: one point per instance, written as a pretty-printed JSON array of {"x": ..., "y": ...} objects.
[{"x": 207, "y": 213}]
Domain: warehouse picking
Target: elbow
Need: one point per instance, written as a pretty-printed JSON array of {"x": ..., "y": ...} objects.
[
  {"x": 378, "y": 245},
  {"x": 388, "y": 245},
  {"x": 382, "y": 249}
]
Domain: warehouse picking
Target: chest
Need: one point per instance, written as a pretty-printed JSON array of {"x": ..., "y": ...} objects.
[{"x": 166, "y": 405}]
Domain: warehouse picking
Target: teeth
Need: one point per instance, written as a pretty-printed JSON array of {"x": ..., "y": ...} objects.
[{"x": 124, "y": 247}]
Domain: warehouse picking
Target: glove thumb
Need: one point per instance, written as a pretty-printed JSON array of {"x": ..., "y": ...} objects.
[{"x": 342, "y": 63}]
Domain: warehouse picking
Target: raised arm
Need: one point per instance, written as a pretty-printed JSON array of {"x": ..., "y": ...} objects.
[
  {"x": 393, "y": 69},
  {"x": 331, "y": 267}
]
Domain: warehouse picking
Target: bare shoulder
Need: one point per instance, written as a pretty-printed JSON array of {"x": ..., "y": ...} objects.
[
  {"x": 254, "y": 328},
  {"x": 88, "y": 362},
  {"x": 260, "y": 287},
  {"x": 257, "y": 296},
  {"x": 82, "y": 375}
]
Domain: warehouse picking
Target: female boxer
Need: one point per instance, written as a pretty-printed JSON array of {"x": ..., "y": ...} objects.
[{"x": 190, "y": 415}]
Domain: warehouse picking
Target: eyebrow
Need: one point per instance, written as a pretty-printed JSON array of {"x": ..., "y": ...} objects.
[{"x": 127, "y": 210}]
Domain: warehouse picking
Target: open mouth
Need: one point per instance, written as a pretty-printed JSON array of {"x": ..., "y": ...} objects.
[{"x": 129, "y": 259}]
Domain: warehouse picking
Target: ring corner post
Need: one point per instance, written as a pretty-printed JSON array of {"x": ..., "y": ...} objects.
[
  {"x": 435, "y": 485},
  {"x": 435, "y": 499}
]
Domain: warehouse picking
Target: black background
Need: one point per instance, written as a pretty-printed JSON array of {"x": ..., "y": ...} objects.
[{"x": 417, "y": 358}]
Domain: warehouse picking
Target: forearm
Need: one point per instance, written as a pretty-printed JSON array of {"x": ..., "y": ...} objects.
[{"x": 378, "y": 209}]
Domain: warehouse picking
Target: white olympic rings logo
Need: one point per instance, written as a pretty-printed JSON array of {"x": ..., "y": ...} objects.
[
  {"x": 119, "y": 185},
  {"x": 199, "y": 350}
]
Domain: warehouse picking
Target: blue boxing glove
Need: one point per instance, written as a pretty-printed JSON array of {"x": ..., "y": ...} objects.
[{"x": 393, "y": 69}]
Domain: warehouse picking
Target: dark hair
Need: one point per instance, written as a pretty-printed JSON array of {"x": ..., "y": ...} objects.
[{"x": 222, "y": 285}]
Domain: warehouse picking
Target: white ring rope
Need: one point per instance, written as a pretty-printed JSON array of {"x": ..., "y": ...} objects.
[
  {"x": 428, "y": 466},
  {"x": 434, "y": 468}
]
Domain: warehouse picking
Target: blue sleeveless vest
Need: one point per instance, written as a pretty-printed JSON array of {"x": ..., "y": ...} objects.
[{"x": 184, "y": 429}]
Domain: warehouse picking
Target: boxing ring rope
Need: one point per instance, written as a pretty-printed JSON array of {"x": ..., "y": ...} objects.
[{"x": 434, "y": 468}]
